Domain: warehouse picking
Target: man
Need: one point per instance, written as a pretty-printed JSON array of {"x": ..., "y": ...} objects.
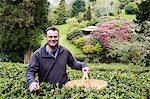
[{"x": 50, "y": 62}]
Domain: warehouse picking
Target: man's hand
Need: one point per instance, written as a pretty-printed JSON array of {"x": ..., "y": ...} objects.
[
  {"x": 85, "y": 70},
  {"x": 34, "y": 86}
]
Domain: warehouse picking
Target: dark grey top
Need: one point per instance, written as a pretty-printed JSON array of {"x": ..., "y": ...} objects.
[{"x": 51, "y": 69}]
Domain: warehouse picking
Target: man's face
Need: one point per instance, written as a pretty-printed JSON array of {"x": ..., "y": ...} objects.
[{"x": 52, "y": 38}]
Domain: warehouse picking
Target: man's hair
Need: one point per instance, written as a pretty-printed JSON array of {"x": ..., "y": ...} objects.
[{"x": 51, "y": 28}]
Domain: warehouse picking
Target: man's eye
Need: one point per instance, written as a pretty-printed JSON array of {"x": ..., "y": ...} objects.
[{"x": 53, "y": 36}]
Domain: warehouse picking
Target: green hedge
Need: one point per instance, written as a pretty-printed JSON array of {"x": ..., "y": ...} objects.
[
  {"x": 131, "y": 8},
  {"x": 122, "y": 84}
]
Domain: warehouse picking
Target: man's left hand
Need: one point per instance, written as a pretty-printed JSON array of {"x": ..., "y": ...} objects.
[{"x": 86, "y": 70}]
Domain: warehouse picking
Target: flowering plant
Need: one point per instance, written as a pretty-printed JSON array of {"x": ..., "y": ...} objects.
[{"x": 114, "y": 30}]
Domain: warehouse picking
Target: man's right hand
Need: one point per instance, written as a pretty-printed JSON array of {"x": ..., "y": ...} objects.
[{"x": 34, "y": 86}]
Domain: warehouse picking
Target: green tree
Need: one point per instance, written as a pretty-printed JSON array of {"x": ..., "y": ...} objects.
[
  {"x": 61, "y": 13},
  {"x": 20, "y": 28},
  {"x": 143, "y": 26},
  {"x": 131, "y": 8},
  {"x": 123, "y": 3},
  {"x": 143, "y": 13},
  {"x": 40, "y": 13},
  {"x": 88, "y": 14},
  {"x": 143, "y": 17},
  {"x": 77, "y": 6},
  {"x": 92, "y": 0}
]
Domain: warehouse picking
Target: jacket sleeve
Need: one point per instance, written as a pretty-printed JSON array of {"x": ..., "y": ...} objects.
[
  {"x": 32, "y": 69},
  {"x": 75, "y": 64}
]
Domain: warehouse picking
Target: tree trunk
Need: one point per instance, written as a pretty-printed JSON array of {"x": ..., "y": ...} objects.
[{"x": 27, "y": 55}]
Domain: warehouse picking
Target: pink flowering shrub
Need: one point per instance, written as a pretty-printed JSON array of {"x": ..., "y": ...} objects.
[{"x": 114, "y": 30}]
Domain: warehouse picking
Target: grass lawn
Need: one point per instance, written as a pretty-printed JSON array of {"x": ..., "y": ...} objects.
[{"x": 125, "y": 16}]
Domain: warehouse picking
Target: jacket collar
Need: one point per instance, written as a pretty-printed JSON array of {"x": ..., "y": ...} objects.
[{"x": 45, "y": 54}]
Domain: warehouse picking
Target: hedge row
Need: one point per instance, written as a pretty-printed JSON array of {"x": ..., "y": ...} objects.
[{"x": 122, "y": 84}]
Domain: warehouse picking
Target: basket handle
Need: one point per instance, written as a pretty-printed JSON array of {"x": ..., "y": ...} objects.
[{"x": 85, "y": 76}]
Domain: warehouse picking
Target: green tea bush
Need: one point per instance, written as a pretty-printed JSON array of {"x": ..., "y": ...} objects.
[{"x": 123, "y": 83}]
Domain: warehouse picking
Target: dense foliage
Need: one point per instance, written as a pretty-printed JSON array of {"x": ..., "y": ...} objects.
[
  {"x": 114, "y": 30},
  {"x": 61, "y": 13},
  {"x": 143, "y": 19},
  {"x": 131, "y": 8},
  {"x": 143, "y": 26},
  {"x": 74, "y": 33},
  {"x": 123, "y": 82},
  {"x": 21, "y": 24},
  {"x": 88, "y": 14},
  {"x": 77, "y": 6}
]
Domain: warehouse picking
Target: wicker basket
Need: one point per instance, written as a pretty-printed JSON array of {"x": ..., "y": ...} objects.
[{"x": 87, "y": 83}]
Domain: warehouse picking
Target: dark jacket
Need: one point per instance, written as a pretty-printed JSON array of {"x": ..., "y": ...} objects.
[{"x": 50, "y": 69}]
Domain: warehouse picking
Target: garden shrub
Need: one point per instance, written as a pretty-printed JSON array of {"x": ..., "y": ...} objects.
[
  {"x": 81, "y": 57},
  {"x": 79, "y": 41},
  {"x": 83, "y": 24},
  {"x": 89, "y": 49},
  {"x": 146, "y": 60},
  {"x": 128, "y": 52},
  {"x": 73, "y": 22},
  {"x": 114, "y": 30},
  {"x": 80, "y": 17},
  {"x": 52, "y": 17},
  {"x": 142, "y": 31},
  {"x": 4, "y": 57},
  {"x": 131, "y": 8},
  {"x": 93, "y": 22},
  {"x": 74, "y": 33},
  {"x": 98, "y": 48},
  {"x": 102, "y": 11},
  {"x": 89, "y": 40}
]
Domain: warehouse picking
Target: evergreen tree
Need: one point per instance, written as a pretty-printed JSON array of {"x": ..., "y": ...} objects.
[
  {"x": 40, "y": 14},
  {"x": 92, "y": 0},
  {"x": 143, "y": 16},
  {"x": 143, "y": 30},
  {"x": 143, "y": 13},
  {"x": 61, "y": 13},
  {"x": 77, "y": 6},
  {"x": 20, "y": 28},
  {"x": 88, "y": 14}
]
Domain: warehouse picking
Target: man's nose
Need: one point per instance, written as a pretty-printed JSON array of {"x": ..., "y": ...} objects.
[{"x": 53, "y": 38}]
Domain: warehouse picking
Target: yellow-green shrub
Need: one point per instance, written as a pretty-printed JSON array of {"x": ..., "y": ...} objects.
[
  {"x": 88, "y": 49},
  {"x": 79, "y": 41},
  {"x": 98, "y": 48},
  {"x": 73, "y": 22}
]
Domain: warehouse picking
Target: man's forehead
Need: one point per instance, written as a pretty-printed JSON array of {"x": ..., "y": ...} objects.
[{"x": 52, "y": 32}]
